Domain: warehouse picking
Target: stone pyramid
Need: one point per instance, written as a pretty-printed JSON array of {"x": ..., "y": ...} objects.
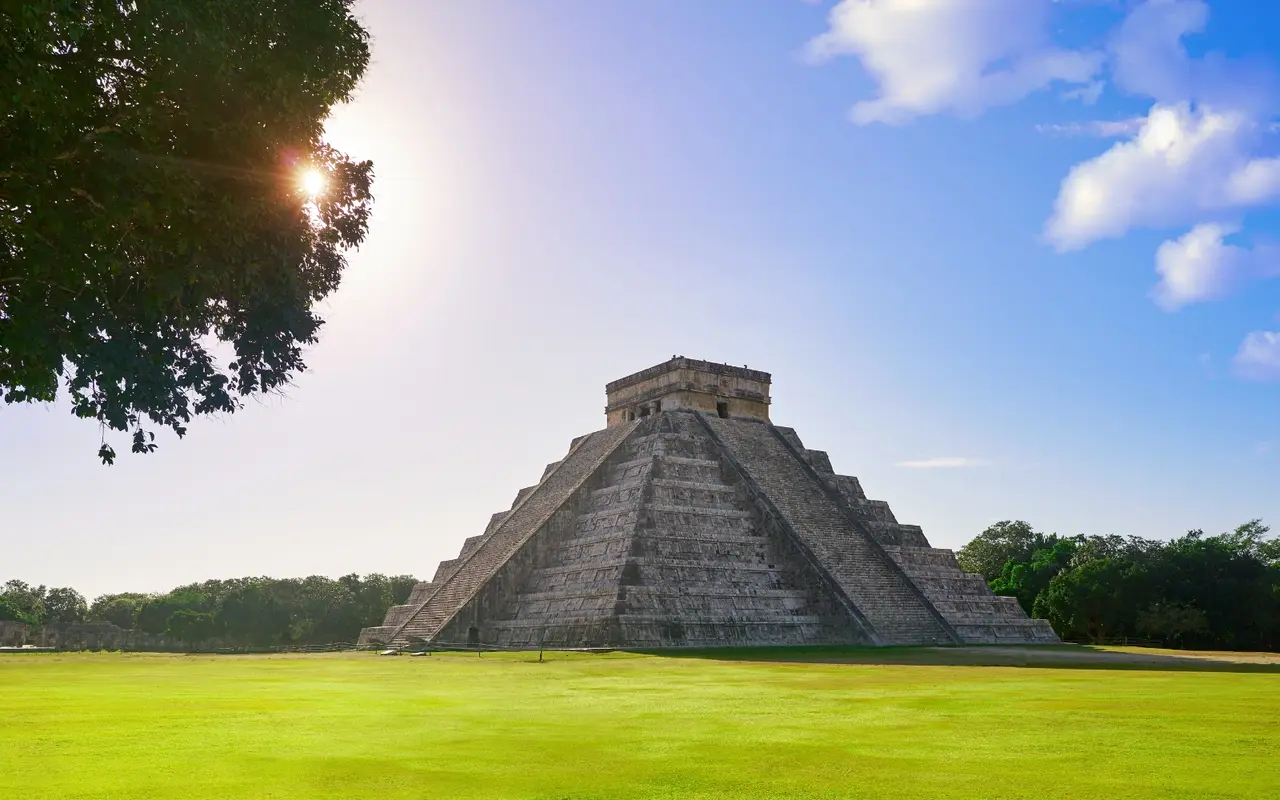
[{"x": 692, "y": 521}]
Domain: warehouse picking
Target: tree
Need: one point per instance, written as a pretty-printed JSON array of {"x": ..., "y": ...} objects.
[
  {"x": 118, "y": 609},
  {"x": 25, "y": 602},
  {"x": 9, "y": 612},
  {"x": 1174, "y": 624},
  {"x": 990, "y": 550},
  {"x": 1225, "y": 578},
  {"x": 251, "y": 614},
  {"x": 64, "y": 606},
  {"x": 1026, "y": 580},
  {"x": 150, "y": 200},
  {"x": 1097, "y": 600},
  {"x": 153, "y": 616},
  {"x": 190, "y": 627},
  {"x": 401, "y": 587},
  {"x": 373, "y": 595},
  {"x": 1132, "y": 548},
  {"x": 1251, "y": 539}
]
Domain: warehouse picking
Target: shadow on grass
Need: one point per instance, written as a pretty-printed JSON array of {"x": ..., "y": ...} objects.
[{"x": 1065, "y": 656}]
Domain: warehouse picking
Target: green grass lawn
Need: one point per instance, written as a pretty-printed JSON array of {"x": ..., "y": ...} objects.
[{"x": 625, "y": 725}]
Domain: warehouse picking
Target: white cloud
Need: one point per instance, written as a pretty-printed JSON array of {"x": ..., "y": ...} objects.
[
  {"x": 1200, "y": 155},
  {"x": 944, "y": 463},
  {"x": 958, "y": 56},
  {"x": 1259, "y": 357},
  {"x": 1256, "y": 182},
  {"x": 1149, "y": 59},
  {"x": 1183, "y": 162},
  {"x": 1147, "y": 53},
  {"x": 1198, "y": 266}
]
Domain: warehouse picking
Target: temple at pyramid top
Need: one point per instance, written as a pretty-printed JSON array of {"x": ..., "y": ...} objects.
[
  {"x": 693, "y": 520},
  {"x": 687, "y": 384}
]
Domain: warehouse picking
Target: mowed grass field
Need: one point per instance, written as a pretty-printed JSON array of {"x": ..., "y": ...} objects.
[{"x": 627, "y": 725}]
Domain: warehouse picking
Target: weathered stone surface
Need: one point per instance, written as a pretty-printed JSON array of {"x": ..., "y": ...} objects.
[
  {"x": 876, "y": 587},
  {"x": 97, "y": 636},
  {"x": 13, "y": 634},
  {"x": 699, "y": 523}
]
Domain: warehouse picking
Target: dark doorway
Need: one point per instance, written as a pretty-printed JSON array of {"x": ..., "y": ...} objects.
[
  {"x": 473, "y": 636},
  {"x": 723, "y": 410}
]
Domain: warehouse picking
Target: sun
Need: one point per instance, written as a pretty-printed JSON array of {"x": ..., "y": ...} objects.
[{"x": 311, "y": 181}]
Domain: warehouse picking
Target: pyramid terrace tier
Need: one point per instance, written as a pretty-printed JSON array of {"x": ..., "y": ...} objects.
[{"x": 690, "y": 529}]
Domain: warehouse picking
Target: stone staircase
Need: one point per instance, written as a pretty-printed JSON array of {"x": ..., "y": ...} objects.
[
  {"x": 681, "y": 529},
  {"x": 569, "y": 595},
  {"x": 488, "y": 553},
  {"x": 964, "y": 600},
  {"x": 667, "y": 553},
  {"x": 974, "y": 612},
  {"x": 875, "y": 585}
]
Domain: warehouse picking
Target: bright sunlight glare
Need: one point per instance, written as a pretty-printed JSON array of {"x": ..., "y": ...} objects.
[{"x": 312, "y": 182}]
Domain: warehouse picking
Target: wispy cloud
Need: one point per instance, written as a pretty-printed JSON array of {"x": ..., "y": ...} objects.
[
  {"x": 1258, "y": 358},
  {"x": 944, "y": 463},
  {"x": 1095, "y": 129},
  {"x": 1088, "y": 94}
]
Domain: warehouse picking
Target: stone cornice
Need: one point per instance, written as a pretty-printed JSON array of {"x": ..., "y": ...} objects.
[{"x": 688, "y": 363}]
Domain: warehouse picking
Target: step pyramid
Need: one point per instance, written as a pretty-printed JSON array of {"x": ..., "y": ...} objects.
[{"x": 691, "y": 520}]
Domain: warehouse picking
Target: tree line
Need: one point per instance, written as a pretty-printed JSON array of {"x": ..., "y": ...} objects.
[
  {"x": 1196, "y": 591},
  {"x": 253, "y": 612}
]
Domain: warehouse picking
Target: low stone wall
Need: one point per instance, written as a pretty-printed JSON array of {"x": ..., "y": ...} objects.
[
  {"x": 13, "y": 634},
  {"x": 99, "y": 636}
]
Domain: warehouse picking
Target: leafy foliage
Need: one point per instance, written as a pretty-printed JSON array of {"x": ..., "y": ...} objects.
[
  {"x": 1097, "y": 600},
  {"x": 1194, "y": 591},
  {"x": 990, "y": 550},
  {"x": 9, "y": 612},
  {"x": 118, "y": 609},
  {"x": 154, "y": 614},
  {"x": 150, "y": 203},
  {"x": 64, "y": 605},
  {"x": 22, "y": 602},
  {"x": 189, "y": 626},
  {"x": 238, "y": 612},
  {"x": 1026, "y": 580}
]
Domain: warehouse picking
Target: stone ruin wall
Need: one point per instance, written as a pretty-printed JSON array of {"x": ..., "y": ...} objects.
[
  {"x": 13, "y": 634},
  {"x": 99, "y": 636},
  {"x": 691, "y": 385}
]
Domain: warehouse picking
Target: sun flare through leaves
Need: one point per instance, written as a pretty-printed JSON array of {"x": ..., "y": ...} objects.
[{"x": 312, "y": 182}]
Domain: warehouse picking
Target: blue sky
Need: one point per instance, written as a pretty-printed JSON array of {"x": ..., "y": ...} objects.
[{"x": 1004, "y": 260}]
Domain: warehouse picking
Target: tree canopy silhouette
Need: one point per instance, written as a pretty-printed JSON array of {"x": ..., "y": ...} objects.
[
  {"x": 1193, "y": 591},
  {"x": 153, "y": 201}
]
